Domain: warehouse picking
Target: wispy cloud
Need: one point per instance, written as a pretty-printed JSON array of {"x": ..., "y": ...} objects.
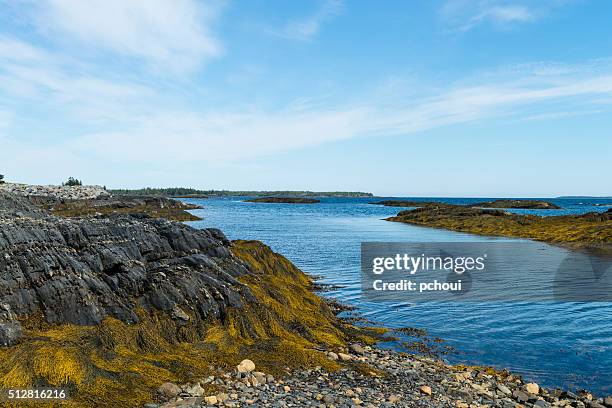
[
  {"x": 172, "y": 35},
  {"x": 464, "y": 15},
  {"x": 233, "y": 135},
  {"x": 30, "y": 74},
  {"x": 306, "y": 28}
]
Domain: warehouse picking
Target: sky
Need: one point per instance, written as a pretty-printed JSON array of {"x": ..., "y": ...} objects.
[{"x": 480, "y": 98}]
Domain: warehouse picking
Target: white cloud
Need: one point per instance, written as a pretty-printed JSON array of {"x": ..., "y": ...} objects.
[
  {"x": 307, "y": 28},
  {"x": 172, "y": 35},
  {"x": 464, "y": 15},
  {"x": 34, "y": 75},
  {"x": 226, "y": 136},
  {"x": 508, "y": 14},
  {"x": 15, "y": 50}
]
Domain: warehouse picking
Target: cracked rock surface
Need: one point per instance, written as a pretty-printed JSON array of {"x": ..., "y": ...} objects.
[{"x": 83, "y": 270}]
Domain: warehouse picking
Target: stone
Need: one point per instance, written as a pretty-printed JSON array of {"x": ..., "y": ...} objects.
[
  {"x": 394, "y": 398},
  {"x": 287, "y": 388},
  {"x": 10, "y": 333},
  {"x": 169, "y": 390},
  {"x": 520, "y": 396},
  {"x": 357, "y": 349},
  {"x": 541, "y": 404},
  {"x": 260, "y": 377},
  {"x": 332, "y": 356},
  {"x": 246, "y": 366},
  {"x": 195, "y": 390},
  {"x": 180, "y": 314},
  {"x": 532, "y": 388},
  {"x": 344, "y": 357},
  {"x": 425, "y": 389},
  {"x": 211, "y": 399},
  {"x": 503, "y": 389},
  {"x": 608, "y": 401}
]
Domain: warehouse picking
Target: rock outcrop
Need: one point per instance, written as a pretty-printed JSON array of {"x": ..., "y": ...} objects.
[
  {"x": 518, "y": 204},
  {"x": 58, "y": 192},
  {"x": 83, "y": 270}
]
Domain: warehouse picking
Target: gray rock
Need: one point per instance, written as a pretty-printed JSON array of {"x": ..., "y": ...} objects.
[
  {"x": 169, "y": 390},
  {"x": 80, "y": 271},
  {"x": 541, "y": 404},
  {"x": 504, "y": 390},
  {"x": 520, "y": 396},
  {"x": 10, "y": 333}
]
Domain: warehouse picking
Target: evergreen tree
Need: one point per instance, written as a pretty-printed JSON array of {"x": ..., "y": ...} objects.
[{"x": 73, "y": 182}]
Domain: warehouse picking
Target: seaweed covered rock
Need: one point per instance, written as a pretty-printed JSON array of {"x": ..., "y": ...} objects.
[{"x": 112, "y": 307}]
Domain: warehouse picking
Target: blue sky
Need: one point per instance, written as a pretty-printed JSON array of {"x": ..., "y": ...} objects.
[{"x": 429, "y": 98}]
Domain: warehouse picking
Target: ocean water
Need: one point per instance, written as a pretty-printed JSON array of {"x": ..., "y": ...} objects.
[{"x": 565, "y": 345}]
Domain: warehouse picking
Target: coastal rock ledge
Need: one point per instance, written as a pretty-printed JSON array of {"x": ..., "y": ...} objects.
[{"x": 81, "y": 271}]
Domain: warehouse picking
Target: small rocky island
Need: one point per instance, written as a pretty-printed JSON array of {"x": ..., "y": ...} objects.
[
  {"x": 515, "y": 204},
  {"x": 591, "y": 230},
  {"x": 401, "y": 203},
  {"x": 519, "y": 204},
  {"x": 286, "y": 200}
]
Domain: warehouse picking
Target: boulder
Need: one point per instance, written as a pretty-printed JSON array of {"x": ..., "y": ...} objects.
[
  {"x": 532, "y": 388},
  {"x": 344, "y": 357},
  {"x": 357, "y": 349},
  {"x": 169, "y": 390},
  {"x": 245, "y": 366}
]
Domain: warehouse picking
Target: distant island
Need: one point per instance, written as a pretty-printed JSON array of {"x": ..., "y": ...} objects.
[
  {"x": 402, "y": 203},
  {"x": 594, "y": 197},
  {"x": 287, "y": 200},
  {"x": 184, "y": 192},
  {"x": 518, "y": 204}
]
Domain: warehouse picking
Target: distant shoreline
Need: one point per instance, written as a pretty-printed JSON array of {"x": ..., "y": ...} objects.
[{"x": 182, "y": 192}]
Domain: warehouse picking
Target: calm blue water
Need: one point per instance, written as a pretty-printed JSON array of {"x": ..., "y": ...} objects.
[{"x": 556, "y": 344}]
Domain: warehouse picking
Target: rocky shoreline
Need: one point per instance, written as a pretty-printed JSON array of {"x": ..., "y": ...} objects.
[
  {"x": 590, "y": 231},
  {"x": 116, "y": 306},
  {"x": 510, "y": 204},
  {"x": 394, "y": 380}
]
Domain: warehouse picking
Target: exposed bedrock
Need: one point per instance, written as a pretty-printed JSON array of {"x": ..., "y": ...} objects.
[{"x": 83, "y": 270}]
